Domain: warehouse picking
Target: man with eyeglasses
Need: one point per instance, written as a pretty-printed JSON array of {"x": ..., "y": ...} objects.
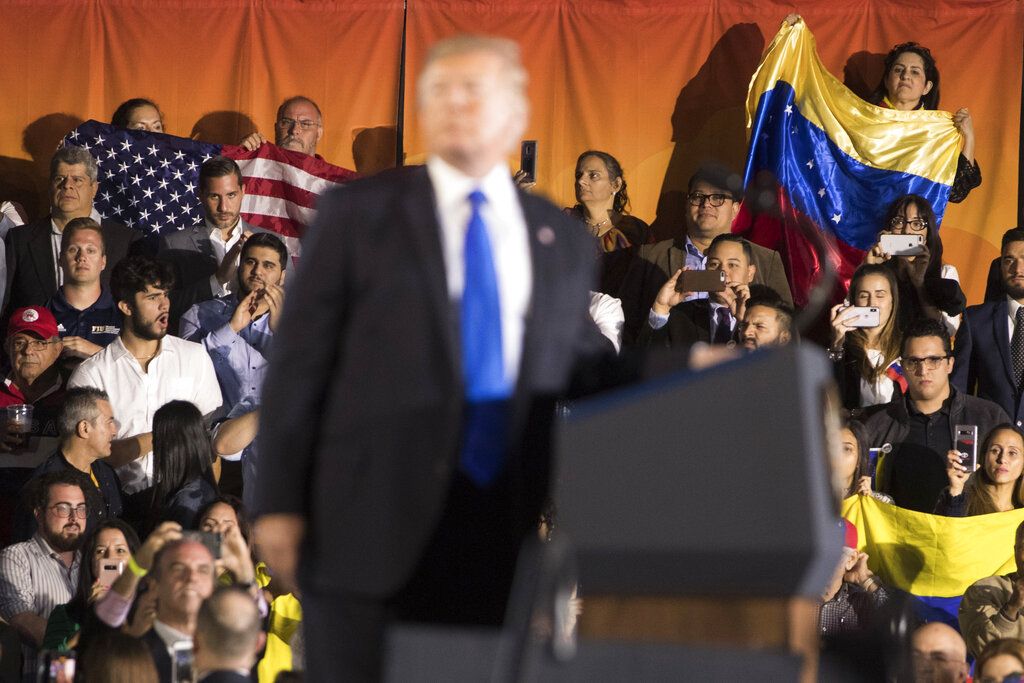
[
  {"x": 299, "y": 125},
  {"x": 919, "y": 425},
  {"x": 712, "y": 203},
  {"x": 41, "y": 573},
  {"x": 991, "y": 365},
  {"x": 33, "y": 250}
]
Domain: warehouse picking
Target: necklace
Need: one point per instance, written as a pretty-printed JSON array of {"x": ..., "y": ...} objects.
[{"x": 595, "y": 228}]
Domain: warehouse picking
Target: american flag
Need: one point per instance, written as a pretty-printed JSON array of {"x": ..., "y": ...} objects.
[{"x": 149, "y": 181}]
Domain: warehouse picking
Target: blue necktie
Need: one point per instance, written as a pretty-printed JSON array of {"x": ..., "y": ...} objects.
[
  {"x": 723, "y": 327},
  {"x": 484, "y": 435}
]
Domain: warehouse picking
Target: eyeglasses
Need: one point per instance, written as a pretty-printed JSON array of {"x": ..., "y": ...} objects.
[
  {"x": 698, "y": 198},
  {"x": 73, "y": 180},
  {"x": 928, "y": 363},
  {"x": 915, "y": 224},
  {"x": 304, "y": 124},
  {"x": 66, "y": 509},
  {"x": 21, "y": 345}
]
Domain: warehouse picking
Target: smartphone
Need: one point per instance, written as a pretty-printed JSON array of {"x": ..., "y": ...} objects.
[
  {"x": 55, "y": 667},
  {"x": 528, "y": 159},
  {"x": 701, "y": 281},
  {"x": 207, "y": 538},
  {"x": 181, "y": 662},
  {"x": 902, "y": 245},
  {"x": 861, "y": 316},
  {"x": 109, "y": 571},
  {"x": 966, "y": 444}
]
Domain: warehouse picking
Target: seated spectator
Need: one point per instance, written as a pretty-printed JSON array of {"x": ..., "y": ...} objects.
[
  {"x": 919, "y": 425},
  {"x": 115, "y": 657},
  {"x": 928, "y": 287},
  {"x": 867, "y": 359},
  {"x": 41, "y": 573},
  {"x": 143, "y": 369},
  {"x": 112, "y": 542},
  {"x": 854, "y": 470},
  {"x": 139, "y": 113},
  {"x": 766, "y": 322},
  {"x": 33, "y": 274},
  {"x": 33, "y": 347},
  {"x": 204, "y": 258},
  {"x": 87, "y": 317},
  {"x": 998, "y": 483},
  {"x": 299, "y": 125},
  {"x": 182, "y": 458},
  {"x": 237, "y": 330},
  {"x": 228, "y": 637},
  {"x": 677, "y": 321},
  {"x": 1000, "y": 658},
  {"x": 987, "y": 362},
  {"x": 991, "y": 607},
  {"x": 939, "y": 654},
  {"x": 852, "y": 601},
  {"x": 713, "y": 201},
  {"x": 86, "y": 426}
]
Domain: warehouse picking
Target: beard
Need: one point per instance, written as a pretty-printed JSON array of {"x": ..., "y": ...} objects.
[
  {"x": 146, "y": 329},
  {"x": 65, "y": 543},
  {"x": 1013, "y": 291}
]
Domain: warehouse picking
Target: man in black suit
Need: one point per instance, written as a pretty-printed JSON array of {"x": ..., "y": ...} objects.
[
  {"x": 677, "y": 321},
  {"x": 228, "y": 637},
  {"x": 987, "y": 360},
  {"x": 204, "y": 257},
  {"x": 33, "y": 250},
  {"x": 405, "y": 431}
]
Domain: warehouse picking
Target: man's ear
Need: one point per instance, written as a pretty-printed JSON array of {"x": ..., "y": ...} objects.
[
  {"x": 751, "y": 272},
  {"x": 125, "y": 308},
  {"x": 82, "y": 429}
]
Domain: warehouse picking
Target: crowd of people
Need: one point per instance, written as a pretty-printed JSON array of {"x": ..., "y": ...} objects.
[{"x": 130, "y": 497}]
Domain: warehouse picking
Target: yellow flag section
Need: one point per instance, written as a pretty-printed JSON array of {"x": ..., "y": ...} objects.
[
  {"x": 923, "y": 143},
  {"x": 285, "y": 617},
  {"x": 928, "y": 555}
]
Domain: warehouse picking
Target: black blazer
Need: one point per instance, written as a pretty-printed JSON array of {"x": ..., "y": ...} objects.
[
  {"x": 363, "y": 401},
  {"x": 688, "y": 323},
  {"x": 161, "y": 657},
  {"x": 31, "y": 274},
  {"x": 986, "y": 361}
]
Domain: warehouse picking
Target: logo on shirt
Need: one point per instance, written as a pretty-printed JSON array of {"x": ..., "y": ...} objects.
[{"x": 105, "y": 329}]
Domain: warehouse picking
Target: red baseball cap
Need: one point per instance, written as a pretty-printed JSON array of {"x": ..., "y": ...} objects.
[{"x": 35, "y": 320}]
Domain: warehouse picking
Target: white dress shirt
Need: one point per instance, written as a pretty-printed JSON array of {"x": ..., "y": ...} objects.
[
  {"x": 1011, "y": 309},
  {"x": 220, "y": 249},
  {"x": 180, "y": 370},
  {"x": 510, "y": 246}
]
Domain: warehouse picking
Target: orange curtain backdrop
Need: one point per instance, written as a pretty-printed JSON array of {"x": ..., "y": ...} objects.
[
  {"x": 661, "y": 85},
  {"x": 217, "y": 68}
]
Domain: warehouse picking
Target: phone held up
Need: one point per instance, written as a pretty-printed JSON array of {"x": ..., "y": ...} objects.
[
  {"x": 701, "y": 281},
  {"x": 966, "y": 445},
  {"x": 902, "y": 245},
  {"x": 528, "y": 160}
]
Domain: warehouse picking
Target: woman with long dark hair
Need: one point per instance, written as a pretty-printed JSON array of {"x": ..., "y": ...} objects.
[
  {"x": 182, "y": 457},
  {"x": 928, "y": 287},
  {"x": 998, "y": 483}
]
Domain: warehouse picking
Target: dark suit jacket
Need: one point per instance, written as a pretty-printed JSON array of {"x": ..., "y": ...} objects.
[
  {"x": 225, "y": 677},
  {"x": 161, "y": 657},
  {"x": 655, "y": 263},
  {"x": 363, "y": 402},
  {"x": 688, "y": 323},
  {"x": 986, "y": 360},
  {"x": 31, "y": 274},
  {"x": 189, "y": 252}
]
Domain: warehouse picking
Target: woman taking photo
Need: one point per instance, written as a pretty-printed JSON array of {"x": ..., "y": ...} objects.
[
  {"x": 998, "y": 483},
  {"x": 928, "y": 287},
  {"x": 866, "y": 358},
  {"x": 182, "y": 456},
  {"x": 602, "y": 203}
]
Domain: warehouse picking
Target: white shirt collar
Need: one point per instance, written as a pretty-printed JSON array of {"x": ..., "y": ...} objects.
[
  {"x": 214, "y": 231},
  {"x": 1011, "y": 307},
  {"x": 169, "y": 634},
  {"x": 452, "y": 186},
  {"x": 93, "y": 214}
]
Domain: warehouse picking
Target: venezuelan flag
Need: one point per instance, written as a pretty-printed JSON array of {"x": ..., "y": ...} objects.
[
  {"x": 933, "y": 558},
  {"x": 820, "y": 158}
]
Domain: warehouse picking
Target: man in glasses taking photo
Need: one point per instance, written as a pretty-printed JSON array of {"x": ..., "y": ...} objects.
[{"x": 919, "y": 425}]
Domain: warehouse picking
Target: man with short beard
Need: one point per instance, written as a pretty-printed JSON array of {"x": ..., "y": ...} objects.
[
  {"x": 299, "y": 126},
  {"x": 237, "y": 331},
  {"x": 41, "y": 573},
  {"x": 986, "y": 364},
  {"x": 144, "y": 368}
]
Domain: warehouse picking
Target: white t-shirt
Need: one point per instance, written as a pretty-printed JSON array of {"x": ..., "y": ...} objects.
[{"x": 879, "y": 391}]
